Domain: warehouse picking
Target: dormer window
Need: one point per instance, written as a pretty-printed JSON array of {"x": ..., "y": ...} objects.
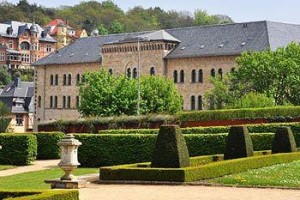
[
  {"x": 10, "y": 44},
  {"x": 25, "y": 34}
]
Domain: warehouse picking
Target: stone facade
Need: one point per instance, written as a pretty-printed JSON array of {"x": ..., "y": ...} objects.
[{"x": 56, "y": 90}]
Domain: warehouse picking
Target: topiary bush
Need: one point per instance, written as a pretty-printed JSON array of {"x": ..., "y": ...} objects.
[
  {"x": 47, "y": 145},
  {"x": 170, "y": 149},
  {"x": 284, "y": 141},
  {"x": 239, "y": 143},
  {"x": 17, "y": 149}
]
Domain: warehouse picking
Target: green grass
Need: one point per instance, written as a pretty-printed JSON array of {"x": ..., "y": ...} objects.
[
  {"x": 35, "y": 180},
  {"x": 283, "y": 175},
  {"x": 4, "y": 167}
]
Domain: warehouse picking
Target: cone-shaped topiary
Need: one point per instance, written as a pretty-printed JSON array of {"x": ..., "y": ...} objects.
[
  {"x": 239, "y": 143},
  {"x": 170, "y": 149},
  {"x": 284, "y": 141}
]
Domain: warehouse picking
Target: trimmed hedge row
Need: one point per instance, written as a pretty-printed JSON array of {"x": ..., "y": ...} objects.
[
  {"x": 195, "y": 173},
  {"x": 107, "y": 150},
  {"x": 47, "y": 144},
  {"x": 40, "y": 195},
  {"x": 17, "y": 149},
  {"x": 272, "y": 113}
]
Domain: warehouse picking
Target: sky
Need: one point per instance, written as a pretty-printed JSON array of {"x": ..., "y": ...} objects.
[{"x": 239, "y": 10}]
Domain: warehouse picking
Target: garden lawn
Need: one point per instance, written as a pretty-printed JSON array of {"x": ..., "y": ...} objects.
[
  {"x": 283, "y": 175},
  {"x": 4, "y": 167},
  {"x": 35, "y": 180}
]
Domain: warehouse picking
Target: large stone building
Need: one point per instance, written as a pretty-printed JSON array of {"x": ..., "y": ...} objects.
[
  {"x": 63, "y": 32},
  {"x": 22, "y": 43},
  {"x": 189, "y": 56}
]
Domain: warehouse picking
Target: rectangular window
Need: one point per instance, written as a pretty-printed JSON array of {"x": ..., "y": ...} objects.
[
  {"x": 39, "y": 101},
  {"x": 69, "y": 102},
  {"x": 64, "y": 101},
  {"x": 51, "y": 101},
  {"x": 77, "y": 101},
  {"x": 48, "y": 48},
  {"x": 19, "y": 120},
  {"x": 55, "y": 102}
]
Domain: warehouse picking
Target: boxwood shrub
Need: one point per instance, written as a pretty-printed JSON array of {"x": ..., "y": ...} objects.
[
  {"x": 194, "y": 173},
  {"x": 113, "y": 149},
  {"x": 18, "y": 149},
  {"x": 47, "y": 145},
  {"x": 40, "y": 195}
]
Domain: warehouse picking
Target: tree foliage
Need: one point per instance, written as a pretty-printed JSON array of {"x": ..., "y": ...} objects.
[
  {"x": 103, "y": 94},
  {"x": 93, "y": 14}
]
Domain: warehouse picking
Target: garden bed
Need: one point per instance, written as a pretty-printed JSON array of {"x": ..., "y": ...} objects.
[{"x": 202, "y": 167}]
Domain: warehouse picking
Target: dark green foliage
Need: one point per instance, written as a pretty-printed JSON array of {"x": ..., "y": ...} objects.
[
  {"x": 106, "y": 150},
  {"x": 40, "y": 195},
  {"x": 246, "y": 113},
  {"x": 170, "y": 149},
  {"x": 129, "y": 131},
  {"x": 194, "y": 173},
  {"x": 47, "y": 145},
  {"x": 284, "y": 141},
  {"x": 117, "y": 149},
  {"x": 239, "y": 143},
  {"x": 4, "y": 124},
  {"x": 17, "y": 149}
]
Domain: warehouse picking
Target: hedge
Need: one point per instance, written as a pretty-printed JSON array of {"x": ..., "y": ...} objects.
[
  {"x": 17, "y": 149},
  {"x": 195, "y": 173},
  {"x": 106, "y": 150},
  {"x": 47, "y": 144},
  {"x": 40, "y": 195},
  {"x": 273, "y": 114}
]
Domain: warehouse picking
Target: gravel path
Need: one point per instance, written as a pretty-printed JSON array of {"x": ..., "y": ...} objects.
[
  {"x": 36, "y": 166},
  {"x": 159, "y": 192}
]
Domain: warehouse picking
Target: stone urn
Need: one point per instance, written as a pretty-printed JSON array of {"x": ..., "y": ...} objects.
[{"x": 69, "y": 159}]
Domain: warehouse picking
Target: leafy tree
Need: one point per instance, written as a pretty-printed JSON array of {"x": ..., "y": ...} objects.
[
  {"x": 274, "y": 73},
  {"x": 203, "y": 18},
  {"x": 117, "y": 27},
  {"x": 103, "y": 30},
  {"x": 5, "y": 77},
  {"x": 4, "y": 113},
  {"x": 104, "y": 94},
  {"x": 252, "y": 100}
]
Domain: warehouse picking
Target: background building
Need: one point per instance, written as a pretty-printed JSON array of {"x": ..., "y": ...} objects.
[
  {"x": 23, "y": 43},
  {"x": 63, "y": 32},
  {"x": 189, "y": 56}
]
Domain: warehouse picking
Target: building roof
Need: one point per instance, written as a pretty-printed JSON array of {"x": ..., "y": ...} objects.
[
  {"x": 18, "y": 96},
  {"x": 198, "y": 41},
  {"x": 18, "y": 28},
  {"x": 52, "y": 26}
]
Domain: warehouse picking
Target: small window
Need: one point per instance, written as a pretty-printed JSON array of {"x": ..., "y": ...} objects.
[
  {"x": 135, "y": 73},
  {"x": 51, "y": 80},
  {"x": 82, "y": 78},
  {"x": 193, "y": 75},
  {"x": 77, "y": 101},
  {"x": 77, "y": 79},
  {"x": 181, "y": 76},
  {"x": 193, "y": 103},
  {"x": 51, "y": 101},
  {"x": 200, "y": 103},
  {"x": 64, "y": 101},
  {"x": 220, "y": 72},
  {"x": 10, "y": 44},
  {"x": 152, "y": 71},
  {"x": 69, "y": 79},
  {"x": 200, "y": 76},
  {"x": 19, "y": 120},
  {"x": 128, "y": 72},
  {"x": 55, "y": 102},
  {"x": 110, "y": 71},
  {"x": 69, "y": 102},
  {"x": 175, "y": 76},
  {"x": 213, "y": 72},
  {"x": 56, "y": 79},
  {"x": 232, "y": 70},
  {"x": 65, "y": 79},
  {"x": 39, "y": 101}
]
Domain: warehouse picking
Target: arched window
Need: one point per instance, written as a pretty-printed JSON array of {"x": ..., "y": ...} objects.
[
  {"x": 56, "y": 79},
  {"x": 55, "y": 102},
  {"x": 232, "y": 70},
  {"x": 152, "y": 71},
  {"x": 200, "y": 76},
  {"x": 181, "y": 76},
  {"x": 65, "y": 80},
  {"x": 82, "y": 78},
  {"x": 64, "y": 101},
  {"x": 128, "y": 73},
  {"x": 51, "y": 101},
  {"x": 220, "y": 72},
  {"x": 175, "y": 76},
  {"x": 69, "y": 79},
  {"x": 135, "y": 73},
  {"x": 25, "y": 46},
  {"x": 77, "y": 79},
  {"x": 51, "y": 80},
  {"x": 213, "y": 72},
  {"x": 110, "y": 71},
  {"x": 10, "y": 44},
  {"x": 193, "y": 75},
  {"x": 200, "y": 103},
  {"x": 77, "y": 101},
  {"x": 193, "y": 103},
  {"x": 69, "y": 102},
  {"x": 39, "y": 101}
]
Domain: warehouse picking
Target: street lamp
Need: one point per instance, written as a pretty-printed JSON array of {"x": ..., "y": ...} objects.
[{"x": 139, "y": 74}]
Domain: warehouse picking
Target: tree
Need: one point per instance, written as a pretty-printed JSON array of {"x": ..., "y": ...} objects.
[
  {"x": 203, "y": 18},
  {"x": 4, "y": 113},
  {"x": 274, "y": 73},
  {"x": 104, "y": 94},
  {"x": 5, "y": 77}
]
